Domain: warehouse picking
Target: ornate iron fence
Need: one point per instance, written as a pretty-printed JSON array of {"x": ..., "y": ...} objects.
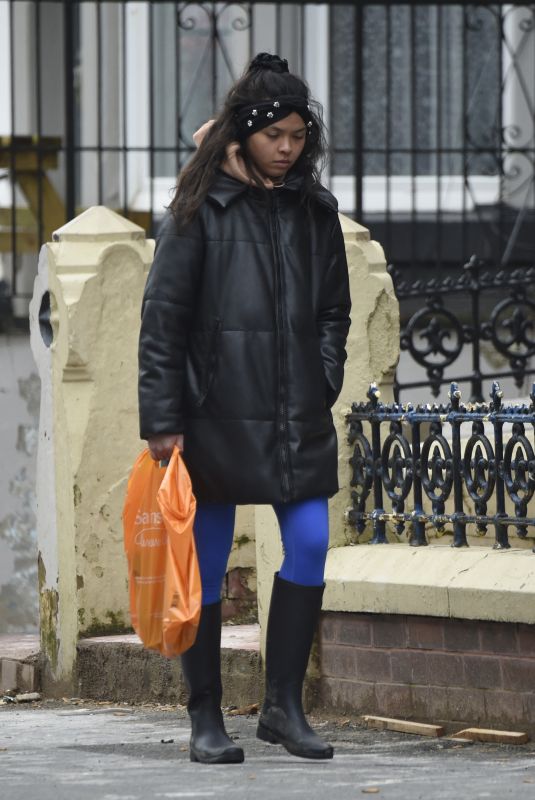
[
  {"x": 434, "y": 468},
  {"x": 463, "y": 310},
  {"x": 430, "y": 108}
]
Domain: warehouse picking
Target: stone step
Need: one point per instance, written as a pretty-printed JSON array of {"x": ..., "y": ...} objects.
[{"x": 118, "y": 668}]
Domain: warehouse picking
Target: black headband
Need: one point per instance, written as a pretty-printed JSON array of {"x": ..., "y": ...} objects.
[{"x": 253, "y": 118}]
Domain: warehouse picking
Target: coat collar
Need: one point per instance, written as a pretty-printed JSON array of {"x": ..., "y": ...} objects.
[{"x": 226, "y": 189}]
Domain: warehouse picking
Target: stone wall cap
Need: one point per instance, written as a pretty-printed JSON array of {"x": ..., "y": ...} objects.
[
  {"x": 438, "y": 580},
  {"x": 98, "y": 223},
  {"x": 353, "y": 230}
]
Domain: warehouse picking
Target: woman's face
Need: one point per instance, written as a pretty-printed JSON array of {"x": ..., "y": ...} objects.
[{"x": 275, "y": 149}]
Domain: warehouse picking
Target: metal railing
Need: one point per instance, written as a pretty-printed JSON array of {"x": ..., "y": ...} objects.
[
  {"x": 475, "y": 305},
  {"x": 421, "y": 462},
  {"x": 430, "y": 108}
]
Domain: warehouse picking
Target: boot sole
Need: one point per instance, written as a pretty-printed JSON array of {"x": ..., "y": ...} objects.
[
  {"x": 266, "y": 735},
  {"x": 236, "y": 756}
]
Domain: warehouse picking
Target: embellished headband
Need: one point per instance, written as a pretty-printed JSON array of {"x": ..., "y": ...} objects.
[{"x": 253, "y": 118}]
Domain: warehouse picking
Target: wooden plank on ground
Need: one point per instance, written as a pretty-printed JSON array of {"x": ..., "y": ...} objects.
[
  {"x": 490, "y": 735},
  {"x": 403, "y": 726},
  {"x": 458, "y": 739}
]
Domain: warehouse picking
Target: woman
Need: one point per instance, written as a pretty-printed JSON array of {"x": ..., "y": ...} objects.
[{"x": 242, "y": 349}]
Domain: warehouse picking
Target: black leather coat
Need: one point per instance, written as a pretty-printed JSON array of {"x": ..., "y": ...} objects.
[{"x": 242, "y": 346}]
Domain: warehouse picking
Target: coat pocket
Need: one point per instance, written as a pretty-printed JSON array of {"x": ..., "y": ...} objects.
[{"x": 210, "y": 362}]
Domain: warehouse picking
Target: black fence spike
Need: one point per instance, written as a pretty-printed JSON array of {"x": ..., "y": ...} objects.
[{"x": 401, "y": 469}]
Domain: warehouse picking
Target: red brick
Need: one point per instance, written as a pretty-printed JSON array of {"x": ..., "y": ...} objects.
[
  {"x": 461, "y": 634},
  {"x": 393, "y": 700},
  {"x": 444, "y": 669},
  {"x": 425, "y": 633},
  {"x": 373, "y": 665},
  {"x": 466, "y": 705},
  {"x": 408, "y": 666},
  {"x": 339, "y": 662},
  {"x": 499, "y": 637},
  {"x": 229, "y": 609},
  {"x": 28, "y": 678},
  {"x": 507, "y": 710},
  {"x": 8, "y": 674},
  {"x": 242, "y": 611},
  {"x": 348, "y": 696},
  {"x": 529, "y": 702},
  {"x": 482, "y": 672},
  {"x": 430, "y": 703},
  {"x": 237, "y": 588},
  {"x": 354, "y": 629},
  {"x": 526, "y": 640},
  {"x": 328, "y": 628},
  {"x": 518, "y": 674},
  {"x": 389, "y": 631}
]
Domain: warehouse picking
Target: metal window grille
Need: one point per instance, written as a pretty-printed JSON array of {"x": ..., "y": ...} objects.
[{"x": 430, "y": 108}]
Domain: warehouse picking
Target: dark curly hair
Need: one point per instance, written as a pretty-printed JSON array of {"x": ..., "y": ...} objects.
[{"x": 266, "y": 77}]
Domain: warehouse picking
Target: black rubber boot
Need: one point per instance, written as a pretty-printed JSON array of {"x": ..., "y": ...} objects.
[
  {"x": 293, "y": 615},
  {"x": 201, "y": 665}
]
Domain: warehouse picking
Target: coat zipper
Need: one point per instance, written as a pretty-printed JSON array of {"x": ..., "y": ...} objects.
[{"x": 281, "y": 358}]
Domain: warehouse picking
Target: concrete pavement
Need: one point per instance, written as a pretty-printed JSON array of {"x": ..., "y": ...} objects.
[{"x": 100, "y": 751}]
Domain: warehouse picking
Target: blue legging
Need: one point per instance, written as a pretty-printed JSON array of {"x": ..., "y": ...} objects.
[{"x": 304, "y": 530}]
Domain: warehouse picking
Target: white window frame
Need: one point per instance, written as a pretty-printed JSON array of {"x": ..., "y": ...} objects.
[
  {"x": 400, "y": 193},
  {"x": 316, "y": 72}
]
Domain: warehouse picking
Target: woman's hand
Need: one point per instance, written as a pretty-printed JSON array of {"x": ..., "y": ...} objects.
[{"x": 161, "y": 447}]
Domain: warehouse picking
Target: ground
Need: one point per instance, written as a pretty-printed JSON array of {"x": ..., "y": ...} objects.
[{"x": 100, "y": 751}]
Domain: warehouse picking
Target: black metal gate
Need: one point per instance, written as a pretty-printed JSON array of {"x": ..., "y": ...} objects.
[{"x": 430, "y": 108}]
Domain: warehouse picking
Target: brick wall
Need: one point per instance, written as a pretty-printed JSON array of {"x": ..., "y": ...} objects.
[
  {"x": 239, "y": 599},
  {"x": 447, "y": 671}
]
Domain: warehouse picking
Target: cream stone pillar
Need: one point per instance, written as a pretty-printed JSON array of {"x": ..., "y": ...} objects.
[
  {"x": 372, "y": 355},
  {"x": 84, "y": 320}
]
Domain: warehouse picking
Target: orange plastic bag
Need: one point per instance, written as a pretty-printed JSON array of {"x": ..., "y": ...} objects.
[{"x": 164, "y": 579}]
